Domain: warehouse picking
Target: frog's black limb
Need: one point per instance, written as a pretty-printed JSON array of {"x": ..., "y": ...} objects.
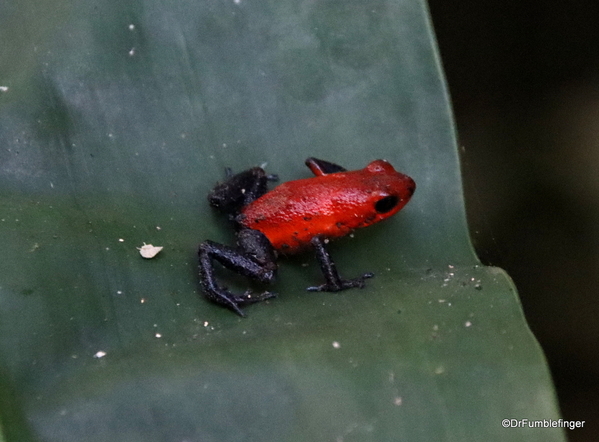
[
  {"x": 333, "y": 283},
  {"x": 254, "y": 257},
  {"x": 322, "y": 167},
  {"x": 239, "y": 190}
]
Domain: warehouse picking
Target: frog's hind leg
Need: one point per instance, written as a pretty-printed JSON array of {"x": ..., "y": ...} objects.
[
  {"x": 254, "y": 258},
  {"x": 239, "y": 190}
]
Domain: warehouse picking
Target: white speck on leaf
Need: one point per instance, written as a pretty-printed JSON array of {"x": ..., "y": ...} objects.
[
  {"x": 149, "y": 251},
  {"x": 100, "y": 354}
]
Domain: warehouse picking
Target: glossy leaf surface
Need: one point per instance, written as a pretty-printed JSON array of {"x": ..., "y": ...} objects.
[{"x": 116, "y": 118}]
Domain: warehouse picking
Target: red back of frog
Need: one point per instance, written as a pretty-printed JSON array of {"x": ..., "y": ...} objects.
[{"x": 329, "y": 205}]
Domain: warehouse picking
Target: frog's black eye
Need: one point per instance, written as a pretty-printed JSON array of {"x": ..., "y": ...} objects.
[{"x": 386, "y": 204}]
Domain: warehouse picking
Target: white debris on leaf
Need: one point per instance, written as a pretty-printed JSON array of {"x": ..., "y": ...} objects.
[
  {"x": 149, "y": 251},
  {"x": 100, "y": 354}
]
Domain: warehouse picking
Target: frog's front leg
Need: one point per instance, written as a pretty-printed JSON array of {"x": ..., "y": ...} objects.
[
  {"x": 334, "y": 282},
  {"x": 322, "y": 167},
  {"x": 254, "y": 257}
]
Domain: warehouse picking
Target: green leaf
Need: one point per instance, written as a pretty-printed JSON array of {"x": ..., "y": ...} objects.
[{"x": 116, "y": 118}]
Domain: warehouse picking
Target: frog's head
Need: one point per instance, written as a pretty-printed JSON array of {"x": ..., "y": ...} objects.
[{"x": 389, "y": 191}]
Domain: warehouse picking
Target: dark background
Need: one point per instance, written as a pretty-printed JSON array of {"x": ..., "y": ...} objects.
[{"x": 524, "y": 82}]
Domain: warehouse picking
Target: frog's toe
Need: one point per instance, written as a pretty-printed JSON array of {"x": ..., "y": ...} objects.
[
  {"x": 342, "y": 284},
  {"x": 250, "y": 297}
]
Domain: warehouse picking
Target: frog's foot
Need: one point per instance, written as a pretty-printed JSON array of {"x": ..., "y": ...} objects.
[
  {"x": 224, "y": 297},
  {"x": 250, "y": 297},
  {"x": 342, "y": 284}
]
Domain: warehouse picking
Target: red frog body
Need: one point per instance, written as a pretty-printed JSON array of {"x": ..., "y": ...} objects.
[
  {"x": 330, "y": 205},
  {"x": 295, "y": 216}
]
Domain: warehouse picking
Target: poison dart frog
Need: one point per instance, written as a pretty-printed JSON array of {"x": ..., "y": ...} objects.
[{"x": 295, "y": 216}]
